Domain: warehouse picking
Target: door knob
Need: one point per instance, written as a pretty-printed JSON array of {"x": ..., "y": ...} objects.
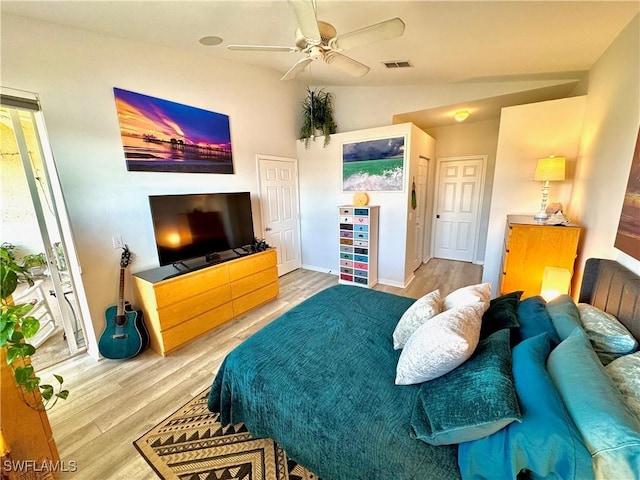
[{"x": 268, "y": 229}]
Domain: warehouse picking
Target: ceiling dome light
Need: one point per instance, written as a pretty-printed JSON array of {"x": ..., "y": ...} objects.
[
  {"x": 461, "y": 115},
  {"x": 210, "y": 41}
]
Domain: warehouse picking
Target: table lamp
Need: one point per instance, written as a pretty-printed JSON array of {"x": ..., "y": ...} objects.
[{"x": 548, "y": 170}]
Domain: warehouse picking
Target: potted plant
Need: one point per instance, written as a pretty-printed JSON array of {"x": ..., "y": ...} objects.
[
  {"x": 317, "y": 116},
  {"x": 16, "y": 327},
  {"x": 35, "y": 263}
]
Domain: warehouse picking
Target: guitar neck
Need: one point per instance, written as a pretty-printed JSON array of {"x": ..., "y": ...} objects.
[{"x": 121, "y": 293}]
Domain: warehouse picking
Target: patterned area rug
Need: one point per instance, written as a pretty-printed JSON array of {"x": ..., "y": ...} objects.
[{"x": 192, "y": 445}]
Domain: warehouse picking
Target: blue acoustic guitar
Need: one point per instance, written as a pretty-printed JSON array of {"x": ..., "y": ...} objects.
[{"x": 125, "y": 334}]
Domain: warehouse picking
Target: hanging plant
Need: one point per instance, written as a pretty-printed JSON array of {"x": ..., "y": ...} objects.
[
  {"x": 317, "y": 116},
  {"x": 16, "y": 327}
]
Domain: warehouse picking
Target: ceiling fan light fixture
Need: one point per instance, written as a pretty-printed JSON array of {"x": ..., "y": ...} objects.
[
  {"x": 317, "y": 39},
  {"x": 210, "y": 41},
  {"x": 461, "y": 115}
]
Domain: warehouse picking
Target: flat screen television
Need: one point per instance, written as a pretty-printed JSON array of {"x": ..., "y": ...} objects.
[{"x": 200, "y": 225}]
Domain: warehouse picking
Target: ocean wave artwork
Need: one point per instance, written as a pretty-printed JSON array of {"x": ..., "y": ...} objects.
[{"x": 373, "y": 165}]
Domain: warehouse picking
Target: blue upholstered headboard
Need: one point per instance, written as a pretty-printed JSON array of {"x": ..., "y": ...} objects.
[{"x": 613, "y": 288}]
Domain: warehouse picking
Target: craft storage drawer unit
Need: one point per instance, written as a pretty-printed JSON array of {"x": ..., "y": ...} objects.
[
  {"x": 529, "y": 247},
  {"x": 178, "y": 309},
  {"x": 358, "y": 253}
]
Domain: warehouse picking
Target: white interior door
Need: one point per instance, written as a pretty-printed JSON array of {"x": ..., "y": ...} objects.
[
  {"x": 279, "y": 207},
  {"x": 419, "y": 212},
  {"x": 458, "y": 202}
]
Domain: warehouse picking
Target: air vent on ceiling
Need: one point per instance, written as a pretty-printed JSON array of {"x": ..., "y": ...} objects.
[{"x": 398, "y": 64}]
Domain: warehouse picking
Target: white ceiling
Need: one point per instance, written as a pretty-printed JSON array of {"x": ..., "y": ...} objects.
[{"x": 446, "y": 41}]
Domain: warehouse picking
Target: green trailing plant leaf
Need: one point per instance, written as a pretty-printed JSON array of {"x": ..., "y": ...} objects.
[
  {"x": 18, "y": 350},
  {"x": 18, "y": 312},
  {"x": 46, "y": 391},
  {"x": 23, "y": 374},
  {"x": 8, "y": 281},
  {"x": 6, "y": 331},
  {"x": 15, "y": 326},
  {"x": 16, "y": 337},
  {"x": 30, "y": 326}
]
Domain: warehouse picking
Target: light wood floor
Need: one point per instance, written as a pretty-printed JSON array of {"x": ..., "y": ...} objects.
[{"x": 112, "y": 403}]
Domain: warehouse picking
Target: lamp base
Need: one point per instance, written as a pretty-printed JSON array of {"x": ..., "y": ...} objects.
[{"x": 541, "y": 216}]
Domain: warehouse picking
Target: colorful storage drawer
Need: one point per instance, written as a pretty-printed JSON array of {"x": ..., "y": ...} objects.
[{"x": 358, "y": 233}]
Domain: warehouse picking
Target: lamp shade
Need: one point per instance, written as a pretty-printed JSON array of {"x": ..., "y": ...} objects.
[
  {"x": 551, "y": 168},
  {"x": 555, "y": 281}
]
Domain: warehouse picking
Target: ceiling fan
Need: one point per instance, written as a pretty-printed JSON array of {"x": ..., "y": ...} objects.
[{"x": 319, "y": 40}]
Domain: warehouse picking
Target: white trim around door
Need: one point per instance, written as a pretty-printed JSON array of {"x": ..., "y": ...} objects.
[
  {"x": 279, "y": 208},
  {"x": 458, "y": 201}
]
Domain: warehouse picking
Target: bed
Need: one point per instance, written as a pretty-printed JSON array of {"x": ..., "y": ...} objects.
[{"x": 320, "y": 380}]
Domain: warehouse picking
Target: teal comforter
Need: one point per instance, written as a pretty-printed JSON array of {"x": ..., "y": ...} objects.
[{"x": 320, "y": 381}]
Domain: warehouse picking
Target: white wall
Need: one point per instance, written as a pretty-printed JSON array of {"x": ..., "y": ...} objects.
[
  {"x": 527, "y": 133},
  {"x": 74, "y": 73},
  {"x": 606, "y": 148},
  {"x": 320, "y": 180}
]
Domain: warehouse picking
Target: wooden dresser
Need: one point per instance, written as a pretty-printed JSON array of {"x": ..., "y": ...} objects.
[
  {"x": 529, "y": 247},
  {"x": 26, "y": 430},
  {"x": 181, "y": 308}
]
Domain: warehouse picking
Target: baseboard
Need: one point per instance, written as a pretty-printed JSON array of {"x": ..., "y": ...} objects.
[
  {"x": 391, "y": 283},
  {"x": 319, "y": 269},
  {"x": 383, "y": 281}
]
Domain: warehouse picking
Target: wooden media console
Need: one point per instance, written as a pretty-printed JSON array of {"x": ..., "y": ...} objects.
[{"x": 181, "y": 308}]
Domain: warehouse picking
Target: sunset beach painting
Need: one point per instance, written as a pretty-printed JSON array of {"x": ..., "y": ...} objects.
[
  {"x": 373, "y": 165},
  {"x": 628, "y": 235},
  {"x": 163, "y": 136}
]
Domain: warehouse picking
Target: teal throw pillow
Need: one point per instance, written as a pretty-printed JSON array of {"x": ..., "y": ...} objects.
[
  {"x": 608, "y": 426},
  {"x": 502, "y": 313},
  {"x": 546, "y": 444},
  {"x": 625, "y": 373},
  {"x": 472, "y": 401},
  {"x": 534, "y": 319},
  {"x": 564, "y": 315},
  {"x": 605, "y": 331}
]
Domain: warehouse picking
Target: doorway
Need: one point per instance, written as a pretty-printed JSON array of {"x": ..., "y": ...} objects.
[
  {"x": 279, "y": 205},
  {"x": 419, "y": 212},
  {"x": 459, "y": 192},
  {"x": 34, "y": 223}
]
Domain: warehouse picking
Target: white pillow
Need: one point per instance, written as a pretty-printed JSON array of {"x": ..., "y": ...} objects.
[
  {"x": 466, "y": 295},
  {"x": 440, "y": 345},
  {"x": 415, "y": 316}
]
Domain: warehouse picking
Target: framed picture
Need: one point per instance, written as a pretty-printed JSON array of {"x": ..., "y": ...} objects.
[
  {"x": 163, "y": 136},
  {"x": 628, "y": 235},
  {"x": 373, "y": 165}
]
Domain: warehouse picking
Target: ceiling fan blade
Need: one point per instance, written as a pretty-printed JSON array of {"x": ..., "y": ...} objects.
[
  {"x": 307, "y": 21},
  {"x": 371, "y": 34},
  {"x": 262, "y": 48},
  {"x": 298, "y": 67},
  {"x": 346, "y": 64}
]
